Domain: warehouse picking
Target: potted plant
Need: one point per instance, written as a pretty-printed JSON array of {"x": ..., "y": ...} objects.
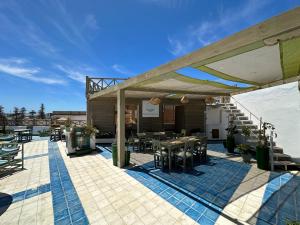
[
  {"x": 246, "y": 131},
  {"x": 68, "y": 124},
  {"x": 89, "y": 133},
  {"x": 231, "y": 131},
  {"x": 244, "y": 149},
  {"x": 262, "y": 149},
  {"x": 224, "y": 143}
]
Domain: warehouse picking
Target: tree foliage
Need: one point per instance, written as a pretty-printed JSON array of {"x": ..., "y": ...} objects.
[{"x": 42, "y": 114}]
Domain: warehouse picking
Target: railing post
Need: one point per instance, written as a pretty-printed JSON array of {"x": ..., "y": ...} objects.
[
  {"x": 260, "y": 123},
  {"x": 87, "y": 86},
  {"x": 271, "y": 151}
]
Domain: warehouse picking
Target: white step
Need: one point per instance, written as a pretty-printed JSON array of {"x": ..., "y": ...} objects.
[
  {"x": 251, "y": 126},
  {"x": 242, "y": 117},
  {"x": 277, "y": 149},
  {"x": 285, "y": 164},
  {"x": 281, "y": 157}
]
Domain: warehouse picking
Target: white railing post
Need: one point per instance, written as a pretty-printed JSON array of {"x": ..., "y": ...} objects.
[{"x": 271, "y": 151}]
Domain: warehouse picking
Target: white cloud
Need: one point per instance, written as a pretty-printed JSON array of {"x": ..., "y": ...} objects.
[
  {"x": 15, "y": 67},
  {"x": 77, "y": 75},
  {"x": 169, "y": 4},
  {"x": 91, "y": 22},
  {"x": 210, "y": 31},
  {"x": 14, "y": 24},
  {"x": 122, "y": 70}
]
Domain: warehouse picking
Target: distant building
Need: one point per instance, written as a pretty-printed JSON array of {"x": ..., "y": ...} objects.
[{"x": 77, "y": 117}]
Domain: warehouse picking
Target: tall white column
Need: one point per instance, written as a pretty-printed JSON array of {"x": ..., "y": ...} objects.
[{"x": 121, "y": 127}]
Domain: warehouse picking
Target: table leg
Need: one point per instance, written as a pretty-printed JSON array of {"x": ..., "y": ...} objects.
[
  {"x": 170, "y": 160},
  {"x": 22, "y": 156}
]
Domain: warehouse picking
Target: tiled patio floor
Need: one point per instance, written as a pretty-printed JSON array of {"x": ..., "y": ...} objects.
[{"x": 90, "y": 190}]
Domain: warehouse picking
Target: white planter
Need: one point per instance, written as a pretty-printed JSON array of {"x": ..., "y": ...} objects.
[
  {"x": 68, "y": 143},
  {"x": 93, "y": 142}
]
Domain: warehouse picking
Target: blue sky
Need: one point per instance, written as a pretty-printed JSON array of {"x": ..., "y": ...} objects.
[{"x": 48, "y": 47}]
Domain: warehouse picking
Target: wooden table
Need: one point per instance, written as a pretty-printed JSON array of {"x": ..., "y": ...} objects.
[
  {"x": 21, "y": 132},
  {"x": 57, "y": 133},
  {"x": 171, "y": 145},
  {"x": 175, "y": 144}
]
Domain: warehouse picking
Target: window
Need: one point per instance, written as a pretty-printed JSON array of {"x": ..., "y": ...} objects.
[
  {"x": 130, "y": 114},
  {"x": 169, "y": 114}
]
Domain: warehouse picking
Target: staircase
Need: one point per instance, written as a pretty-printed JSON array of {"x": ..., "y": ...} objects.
[{"x": 240, "y": 119}]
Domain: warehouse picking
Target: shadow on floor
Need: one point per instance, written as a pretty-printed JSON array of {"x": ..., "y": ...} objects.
[
  {"x": 218, "y": 181},
  {"x": 5, "y": 202},
  {"x": 282, "y": 206}
]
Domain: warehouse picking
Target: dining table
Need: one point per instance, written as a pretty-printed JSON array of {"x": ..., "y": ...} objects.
[
  {"x": 20, "y": 133},
  {"x": 175, "y": 144}
]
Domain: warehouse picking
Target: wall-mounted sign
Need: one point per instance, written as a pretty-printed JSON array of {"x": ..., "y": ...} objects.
[{"x": 150, "y": 110}]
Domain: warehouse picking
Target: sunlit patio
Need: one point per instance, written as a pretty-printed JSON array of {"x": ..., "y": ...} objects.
[
  {"x": 55, "y": 188},
  {"x": 148, "y": 154}
]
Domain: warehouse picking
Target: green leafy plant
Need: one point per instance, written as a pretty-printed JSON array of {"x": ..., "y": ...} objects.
[
  {"x": 231, "y": 131},
  {"x": 68, "y": 122},
  {"x": 262, "y": 136},
  {"x": 246, "y": 131},
  {"x": 262, "y": 148},
  {"x": 44, "y": 133},
  {"x": 243, "y": 148},
  {"x": 88, "y": 131}
]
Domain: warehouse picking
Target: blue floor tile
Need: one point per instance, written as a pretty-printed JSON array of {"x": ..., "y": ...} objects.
[
  {"x": 66, "y": 203},
  {"x": 203, "y": 220}
]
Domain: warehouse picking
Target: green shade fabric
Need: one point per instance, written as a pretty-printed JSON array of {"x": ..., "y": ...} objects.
[{"x": 290, "y": 57}]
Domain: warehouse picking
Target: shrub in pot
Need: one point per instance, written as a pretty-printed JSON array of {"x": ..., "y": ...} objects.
[
  {"x": 262, "y": 149},
  {"x": 231, "y": 131},
  {"x": 224, "y": 143},
  {"x": 89, "y": 133},
  {"x": 244, "y": 149},
  {"x": 68, "y": 124}
]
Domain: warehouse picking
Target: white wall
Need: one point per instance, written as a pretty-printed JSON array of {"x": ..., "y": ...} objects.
[
  {"x": 216, "y": 118},
  {"x": 35, "y": 129},
  {"x": 280, "y": 106}
]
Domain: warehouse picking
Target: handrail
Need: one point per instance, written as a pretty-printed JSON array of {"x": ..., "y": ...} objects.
[
  {"x": 251, "y": 114},
  {"x": 259, "y": 119},
  {"x": 96, "y": 84}
]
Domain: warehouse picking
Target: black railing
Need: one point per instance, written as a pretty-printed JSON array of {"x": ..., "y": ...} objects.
[{"x": 95, "y": 84}]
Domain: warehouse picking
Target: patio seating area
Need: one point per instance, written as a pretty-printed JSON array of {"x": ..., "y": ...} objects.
[
  {"x": 225, "y": 183},
  {"x": 170, "y": 148},
  {"x": 166, "y": 148},
  {"x": 89, "y": 189}
]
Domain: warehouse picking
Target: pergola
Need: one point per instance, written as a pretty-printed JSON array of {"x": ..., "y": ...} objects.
[{"x": 263, "y": 55}]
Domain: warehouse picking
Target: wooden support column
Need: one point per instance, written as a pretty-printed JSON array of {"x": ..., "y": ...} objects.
[{"x": 121, "y": 127}]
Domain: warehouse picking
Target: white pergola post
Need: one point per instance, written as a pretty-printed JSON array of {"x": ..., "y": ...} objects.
[{"x": 121, "y": 127}]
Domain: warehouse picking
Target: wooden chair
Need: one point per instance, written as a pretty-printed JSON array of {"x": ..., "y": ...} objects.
[
  {"x": 134, "y": 142},
  {"x": 184, "y": 155},
  {"x": 160, "y": 155},
  {"x": 200, "y": 150},
  {"x": 9, "y": 151}
]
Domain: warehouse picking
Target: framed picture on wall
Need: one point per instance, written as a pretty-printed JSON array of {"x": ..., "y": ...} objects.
[{"x": 150, "y": 110}]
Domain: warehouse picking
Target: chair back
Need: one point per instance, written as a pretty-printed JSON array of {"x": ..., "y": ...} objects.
[
  {"x": 203, "y": 142},
  {"x": 141, "y": 135},
  {"x": 156, "y": 145},
  {"x": 189, "y": 146},
  {"x": 183, "y": 132}
]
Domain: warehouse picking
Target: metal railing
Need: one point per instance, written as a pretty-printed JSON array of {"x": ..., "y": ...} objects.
[
  {"x": 96, "y": 84},
  {"x": 251, "y": 115}
]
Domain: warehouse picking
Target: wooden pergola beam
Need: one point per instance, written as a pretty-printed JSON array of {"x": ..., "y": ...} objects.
[
  {"x": 271, "y": 28},
  {"x": 177, "y": 91}
]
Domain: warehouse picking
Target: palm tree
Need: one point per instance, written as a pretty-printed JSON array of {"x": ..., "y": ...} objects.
[
  {"x": 3, "y": 119},
  {"x": 42, "y": 114},
  {"x": 16, "y": 114},
  {"x": 32, "y": 114},
  {"x": 22, "y": 113}
]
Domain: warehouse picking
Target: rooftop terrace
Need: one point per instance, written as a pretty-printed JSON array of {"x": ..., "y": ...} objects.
[{"x": 57, "y": 189}]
